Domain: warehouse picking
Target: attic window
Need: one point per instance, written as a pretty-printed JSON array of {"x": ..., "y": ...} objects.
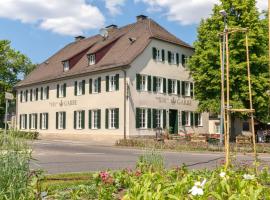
[
  {"x": 66, "y": 65},
  {"x": 91, "y": 59}
]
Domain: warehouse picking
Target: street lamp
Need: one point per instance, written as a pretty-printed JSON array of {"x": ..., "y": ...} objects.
[{"x": 224, "y": 14}]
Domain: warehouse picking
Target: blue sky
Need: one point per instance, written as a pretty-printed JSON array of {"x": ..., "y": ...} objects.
[{"x": 39, "y": 29}]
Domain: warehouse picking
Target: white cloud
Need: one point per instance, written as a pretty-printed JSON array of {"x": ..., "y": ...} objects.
[
  {"x": 68, "y": 17},
  {"x": 187, "y": 11},
  {"x": 114, "y": 6}
]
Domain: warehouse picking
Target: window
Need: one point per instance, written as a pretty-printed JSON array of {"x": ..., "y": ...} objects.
[
  {"x": 199, "y": 116},
  {"x": 61, "y": 120},
  {"x": 187, "y": 89},
  {"x": 96, "y": 85},
  {"x": 95, "y": 119},
  {"x": 159, "y": 118},
  {"x": 79, "y": 119},
  {"x": 159, "y": 86},
  {"x": 36, "y": 94},
  {"x": 91, "y": 59},
  {"x": 66, "y": 65},
  {"x": 112, "y": 83},
  {"x": 44, "y": 93},
  {"x": 174, "y": 86},
  {"x": 112, "y": 118},
  {"x": 33, "y": 121},
  {"x": 24, "y": 96},
  {"x": 159, "y": 56},
  {"x": 173, "y": 58},
  {"x": 185, "y": 118},
  {"x": 79, "y": 88},
  {"x": 43, "y": 121},
  {"x": 217, "y": 128},
  {"x": 61, "y": 90},
  {"x": 143, "y": 118},
  {"x": 23, "y": 121},
  {"x": 143, "y": 83}
]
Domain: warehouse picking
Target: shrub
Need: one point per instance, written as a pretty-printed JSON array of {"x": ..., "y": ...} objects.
[
  {"x": 151, "y": 160},
  {"x": 22, "y": 134}
]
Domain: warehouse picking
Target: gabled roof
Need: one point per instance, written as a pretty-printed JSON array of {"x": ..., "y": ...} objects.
[{"x": 121, "y": 53}]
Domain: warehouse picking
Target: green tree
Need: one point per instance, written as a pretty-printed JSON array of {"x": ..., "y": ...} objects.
[
  {"x": 13, "y": 66},
  {"x": 205, "y": 63}
]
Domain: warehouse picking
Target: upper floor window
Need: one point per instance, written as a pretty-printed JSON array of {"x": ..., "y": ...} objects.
[
  {"x": 24, "y": 96},
  {"x": 96, "y": 85},
  {"x": 91, "y": 59},
  {"x": 79, "y": 87},
  {"x": 187, "y": 89},
  {"x": 158, "y": 54},
  {"x": 159, "y": 85},
  {"x": 143, "y": 82},
  {"x": 66, "y": 65},
  {"x": 112, "y": 82},
  {"x": 44, "y": 93},
  {"x": 61, "y": 90},
  {"x": 174, "y": 87}
]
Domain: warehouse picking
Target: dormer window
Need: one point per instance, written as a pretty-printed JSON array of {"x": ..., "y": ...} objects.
[
  {"x": 92, "y": 59},
  {"x": 66, "y": 65}
]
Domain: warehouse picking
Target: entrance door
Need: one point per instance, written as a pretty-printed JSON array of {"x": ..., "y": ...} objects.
[{"x": 173, "y": 121}]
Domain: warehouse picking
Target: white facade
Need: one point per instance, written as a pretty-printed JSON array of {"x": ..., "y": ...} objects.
[{"x": 117, "y": 107}]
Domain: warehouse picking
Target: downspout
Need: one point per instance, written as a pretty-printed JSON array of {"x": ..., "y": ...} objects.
[{"x": 125, "y": 104}]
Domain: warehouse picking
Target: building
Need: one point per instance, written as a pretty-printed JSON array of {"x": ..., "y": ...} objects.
[{"x": 127, "y": 81}]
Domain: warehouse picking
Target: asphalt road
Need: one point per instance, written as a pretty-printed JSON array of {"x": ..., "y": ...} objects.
[{"x": 61, "y": 156}]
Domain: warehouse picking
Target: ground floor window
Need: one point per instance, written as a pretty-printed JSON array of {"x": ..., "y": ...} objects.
[
  {"x": 79, "y": 119},
  {"x": 186, "y": 119},
  {"x": 94, "y": 119},
  {"x": 23, "y": 121},
  {"x": 143, "y": 118},
  {"x": 60, "y": 120},
  {"x": 159, "y": 118},
  {"x": 44, "y": 118},
  {"x": 112, "y": 118},
  {"x": 199, "y": 119},
  {"x": 33, "y": 121}
]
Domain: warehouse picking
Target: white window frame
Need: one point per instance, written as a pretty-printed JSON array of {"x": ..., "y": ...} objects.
[
  {"x": 79, "y": 88},
  {"x": 33, "y": 121},
  {"x": 23, "y": 120},
  {"x": 44, "y": 95},
  {"x": 61, "y": 90},
  {"x": 144, "y": 118},
  {"x": 187, "y": 118},
  {"x": 159, "y": 118},
  {"x": 94, "y": 119},
  {"x": 187, "y": 89},
  {"x": 217, "y": 128},
  {"x": 173, "y": 58},
  {"x": 24, "y": 96},
  {"x": 60, "y": 120},
  {"x": 200, "y": 119},
  {"x": 159, "y": 55},
  {"x": 144, "y": 83},
  {"x": 95, "y": 85},
  {"x": 159, "y": 85},
  {"x": 66, "y": 65},
  {"x": 112, "y": 83},
  {"x": 174, "y": 86},
  {"x": 112, "y": 121},
  {"x": 79, "y": 119},
  {"x": 44, "y": 121},
  {"x": 91, "y": 59}
]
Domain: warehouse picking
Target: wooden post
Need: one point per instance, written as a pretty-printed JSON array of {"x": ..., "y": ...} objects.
[{"x": 250, "y": 103}]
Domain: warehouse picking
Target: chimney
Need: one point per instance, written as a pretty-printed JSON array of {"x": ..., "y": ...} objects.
[
  {"x": 79, "y": 37},
  {"x": 111, "y": 28},
  {"x": 141, "y": 17}
]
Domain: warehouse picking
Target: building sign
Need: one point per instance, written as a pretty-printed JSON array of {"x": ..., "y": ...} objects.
[
  {"x": 174, "y": 101},
  {"x": 9, "y": 96},
  {"x": 64, "y": 103}
]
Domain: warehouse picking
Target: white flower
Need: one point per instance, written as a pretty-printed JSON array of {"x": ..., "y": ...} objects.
[
  {"x": 203, "y": 182},
  {"x": 248, "y": 176},
  {"x": 222, "y": 174},
  {"x": 195, "y": 190}
]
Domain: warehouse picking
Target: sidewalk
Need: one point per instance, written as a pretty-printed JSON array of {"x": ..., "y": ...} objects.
[{"x": 92, "y": 139}]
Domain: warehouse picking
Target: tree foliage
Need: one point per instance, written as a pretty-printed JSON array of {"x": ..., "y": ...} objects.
[
  {"x": 205, "y": 63},
  {"x": 13, "y": 66}
]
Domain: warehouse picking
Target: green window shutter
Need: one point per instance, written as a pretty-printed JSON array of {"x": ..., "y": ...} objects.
[
  {"x": 164, "y": 85},
  {"x": 191, "y": 90},
  {"x": 99, "y": 84},
  {"x": 30, "y": 120},
  {"x": 154, "y": 53},
  {"x": 107, "y": 118},
  {"x": 177, "y": 58},
  {"x": 191, "y": 118},
  {"x": 154, "y": 118},
  {"x": 56, "y": 120},
  {"x": 90, "y": 85},
  {"x": 154, "y": 84},
  {"x": 36, "y": 120},
  {"x": 98, "y": 118},
  {"x": 164, "y": 119},
  {"x": 117, "y": 118},
  {"x": 47, "y": 120},
  {"x": 183, "y": 117},
  {"x": 90, "y": 119},
  {"x": 178, "y": 87},
  {"x": 75, "y": 88},
  {"x": 196, "y": 119},
  {"x": 83, "y": 119},
  {"x": 57, "y": 91},
  {"x": 117, "y": 81},
  {"x": 64, "y": 120},
  {"x": 41, "y": 93},
  {"x": 169, "y": 57},
  {"x": 20, "y": 122},
  {"x": 26, "y": 99},
  {"x": 183, "y": 88},
  {"x": 183, "y": 60},
  {"x": 138, "y": 82},
  {"x": 36, "y": 94},
  {"x": 40, "y": 121},
  {"x": 163, "y": 55},
  {"x": 48, "y": 92},
  {"x": 21, "y": 94},
  {"x": 31, "y": 95},
  {"x": 107, "y": 83},
  {"x": 25, "y": 124},
  {"x": 65, "y": 89},
  {"x": 169, "y": 86},
  {"x": 75, "y": 119},
  {"x": 149, "y": 83},
  {"x": 149, "y": 116},
  {"x": 83, "y": 87},
  {"x": 138, "y": 117}
]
